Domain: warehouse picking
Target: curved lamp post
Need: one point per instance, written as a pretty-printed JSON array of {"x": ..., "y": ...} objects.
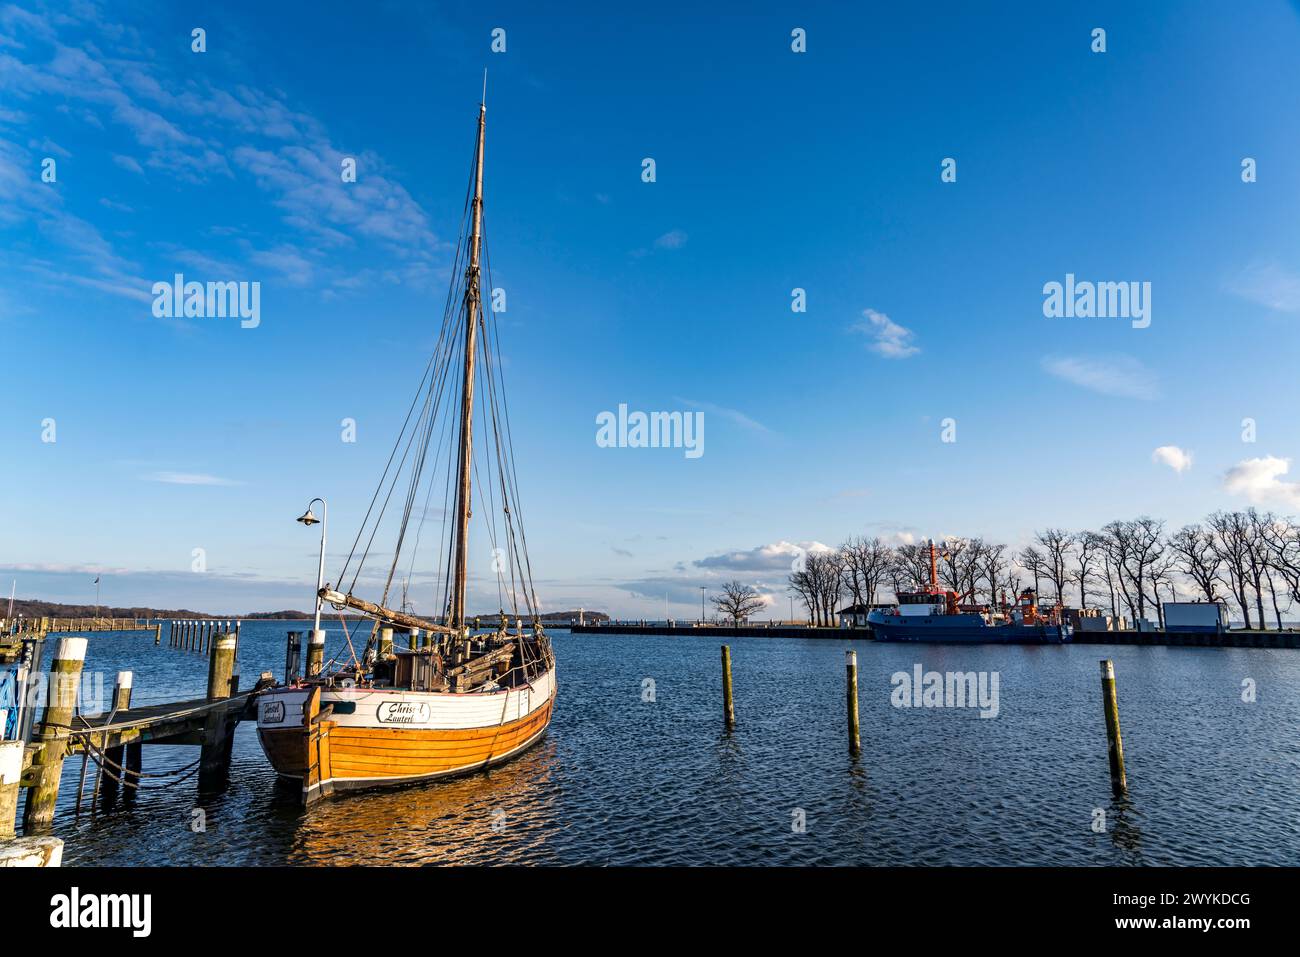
[{"x": 308, "y": 519}]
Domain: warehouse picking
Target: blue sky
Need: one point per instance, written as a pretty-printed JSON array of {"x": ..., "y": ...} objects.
[{"x": 774, "y": 170}]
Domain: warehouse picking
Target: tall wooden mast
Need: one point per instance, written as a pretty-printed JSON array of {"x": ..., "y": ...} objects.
[{"x": 473, "y": 303}]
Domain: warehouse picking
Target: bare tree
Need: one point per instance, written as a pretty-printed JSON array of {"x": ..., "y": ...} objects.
[
  {"x": 1056, "y": 544},
  {"x": 802, "y": 585},
  {"x": 1132, "y": 547},
  {"x": 1109, "y": 574},
  {"x": 737, "y": 601},
  {"x": 1257, "y": 556},
  {"x": 912, "y": 566},
  {"x": 1032, "y": 561},
  {"x": 1231, "y": 533},
  {"x": 831, "y": 582},
  {"x": 1283, "y": 539},
  {"x": 1160, "y": 572},
  {"x": 866, "y": 566},
  {"x": 1089, "y": 554},
  {"x": 1193, "y": 547},
  {"x": 993, "y": 566},
  {"x": 960, "y": 565}
]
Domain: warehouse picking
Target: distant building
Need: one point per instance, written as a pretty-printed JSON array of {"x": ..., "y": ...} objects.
[
  {"x": 855, "y": 616},
  {"x": 1202, "y": 616}
]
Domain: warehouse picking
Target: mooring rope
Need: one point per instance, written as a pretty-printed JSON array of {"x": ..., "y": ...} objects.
[{"x": 104, "y": 763}]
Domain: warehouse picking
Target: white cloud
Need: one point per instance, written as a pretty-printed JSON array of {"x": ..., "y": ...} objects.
[
  {"x": 127, "y": 163},
  {"x": 1116, "y": 375},
  {"x": 889, "y": 339},
  {"x": 775, "y": 557},
  {"x": 674, "y": 239},
  {"x": 1268, "y": 285},
  {"x": 188, "y": 478},
  {"x": 732, "y": 415},
  {"x": 1173, "y": 456},
  {"x": 1260, "y": 481}
]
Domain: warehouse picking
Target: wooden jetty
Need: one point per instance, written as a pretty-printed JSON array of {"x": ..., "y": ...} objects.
[
  {"x": 14, "y": 632},
  {"x": 113, "y": 739}
]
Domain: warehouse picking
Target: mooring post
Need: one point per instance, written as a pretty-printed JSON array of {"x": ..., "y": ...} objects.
[
  {"x": 157, "y": 634},
  {"x": 11, "y": 766},
  {"x": 315, "y": 651},
  {"x": 112, "y": 770},
  {"x": 47, "y": 763},
  {"x": 385, "y": 642},
  {"x": 292, "y": 656},
  {"x": 214, "y": 755},
  {"x": 851, "y": 666},
  {"x": 729, "y": 713},
  {"x": 1114, "y": 743}
]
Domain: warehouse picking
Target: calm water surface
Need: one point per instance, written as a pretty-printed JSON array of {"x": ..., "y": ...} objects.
[{"x": 621, "y": 780}]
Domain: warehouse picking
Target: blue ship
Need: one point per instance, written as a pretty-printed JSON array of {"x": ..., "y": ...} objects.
[{"x": 934, "y": 615}]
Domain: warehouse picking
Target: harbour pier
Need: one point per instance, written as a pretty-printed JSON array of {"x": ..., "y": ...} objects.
[
  {"x": 1237, "y": 638},
  {"x": 111, "y": 740}
]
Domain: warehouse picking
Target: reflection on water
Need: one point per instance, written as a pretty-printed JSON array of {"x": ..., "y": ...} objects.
[
  {"x": 1124, "y": 830},
  {"x": 510, "y": 808},
  {"x": 622, "y": 780}
]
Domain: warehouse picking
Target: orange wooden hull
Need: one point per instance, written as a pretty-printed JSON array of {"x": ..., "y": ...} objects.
[{"x": 329, "y": 757}]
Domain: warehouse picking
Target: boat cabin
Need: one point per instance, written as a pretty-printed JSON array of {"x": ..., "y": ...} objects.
[{"x": 927, "y": 603}]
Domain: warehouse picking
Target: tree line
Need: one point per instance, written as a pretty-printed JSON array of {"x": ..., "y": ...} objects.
[{"x": 1131, "y": 566}]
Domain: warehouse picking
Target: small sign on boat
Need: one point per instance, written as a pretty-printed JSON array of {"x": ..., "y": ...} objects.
[
  {"x": 404, "y": 712},
  {"x": 272, "y": 712}
]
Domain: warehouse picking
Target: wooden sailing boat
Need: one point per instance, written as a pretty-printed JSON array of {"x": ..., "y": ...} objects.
[{"x": 458, "y": 698}]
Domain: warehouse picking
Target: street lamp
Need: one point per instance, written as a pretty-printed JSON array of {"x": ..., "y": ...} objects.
[{"x": 308, "y": 519}]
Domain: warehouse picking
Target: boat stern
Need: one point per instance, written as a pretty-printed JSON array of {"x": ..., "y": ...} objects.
[{"x": 282, "y": 730}]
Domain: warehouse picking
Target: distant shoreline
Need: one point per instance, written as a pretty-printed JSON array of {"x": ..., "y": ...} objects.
[{"x": 36, "y": 608}]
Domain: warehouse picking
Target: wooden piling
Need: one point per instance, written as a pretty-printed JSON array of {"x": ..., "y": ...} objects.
[
  {"x": 134, "y": 764},
  {"x": 111, "y": 771},
  {"x": 292, "y": 657},
  {"x": 11, "y": 766},
  {"x": 729, "y": 712},
  {"x": 47, "y": 763},
  {"x": 157, "y": 634},
  {"x": 214, "y": 755},
  {"x": 315, "y": 651},
  {"x": 386, "y": 642},
  {"x": 1114, "y": 742},
  {"x": 851, "y": 667}
]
